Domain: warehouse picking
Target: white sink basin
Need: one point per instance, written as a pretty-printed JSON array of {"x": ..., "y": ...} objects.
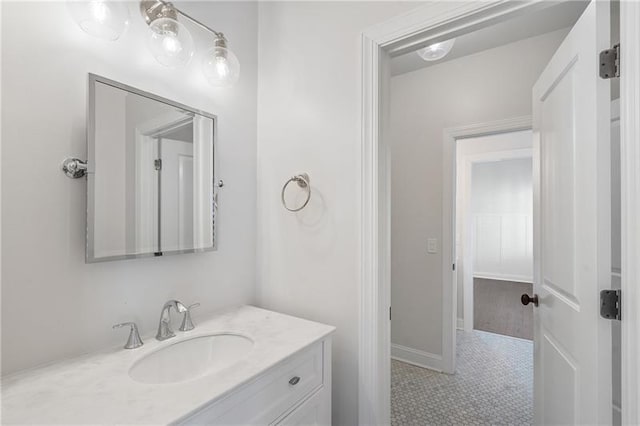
[{"x": 191, "y": 358}]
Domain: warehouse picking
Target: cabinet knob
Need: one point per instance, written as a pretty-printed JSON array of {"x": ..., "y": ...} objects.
[{"x": 294, "y": 380}]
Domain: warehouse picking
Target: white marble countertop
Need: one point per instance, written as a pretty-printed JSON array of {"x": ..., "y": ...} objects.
[{"x": 97, "y": 389}]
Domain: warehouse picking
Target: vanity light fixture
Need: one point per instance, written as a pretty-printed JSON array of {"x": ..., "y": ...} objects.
[
  {"x": 436, "y": 51},
  {"x": 220, "y": 65},
  {"x": 169, "y": 40},
  {"x": 100, "y": 18}
]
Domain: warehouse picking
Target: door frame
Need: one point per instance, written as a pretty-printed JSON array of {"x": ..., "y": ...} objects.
[
  {"x": 630, "y": 194},
  {"x": 449, "y": 191},
  {"x": 449, "y": 288},
  {"x": 422, "y": 26}
]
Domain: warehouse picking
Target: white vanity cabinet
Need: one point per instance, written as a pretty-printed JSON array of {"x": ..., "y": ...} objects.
[
  {"x": 296, "y": 391},
  {"x": 260, "y": 368}
]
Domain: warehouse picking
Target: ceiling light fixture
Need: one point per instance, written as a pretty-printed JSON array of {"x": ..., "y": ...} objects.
[
  {"x": 436, "y": 51},
  {"x": 100, "y": 18}
]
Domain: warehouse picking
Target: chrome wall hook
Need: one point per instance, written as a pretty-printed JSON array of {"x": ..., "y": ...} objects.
[{"x": 74, "y": 168}]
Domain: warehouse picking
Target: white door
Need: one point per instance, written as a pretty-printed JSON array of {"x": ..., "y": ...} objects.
[{"x": 572, "y": 344}]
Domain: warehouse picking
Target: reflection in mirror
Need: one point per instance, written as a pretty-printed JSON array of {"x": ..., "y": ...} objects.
[{"x": 150, "y": 175}]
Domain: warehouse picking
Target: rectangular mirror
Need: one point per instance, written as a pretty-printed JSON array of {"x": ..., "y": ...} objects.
[{"x": 150, "y": 175}]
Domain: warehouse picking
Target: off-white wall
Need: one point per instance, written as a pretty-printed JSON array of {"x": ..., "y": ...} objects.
[
  {"x": 487, "y": 86},
  {"x": 53, "y": 304},
  {"x": 502, "y": 215},
  {"x": 309, "y": 121}
]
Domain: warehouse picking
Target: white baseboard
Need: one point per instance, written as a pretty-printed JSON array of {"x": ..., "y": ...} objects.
[
  {"x": 416, "y": 357},
  {"x": 460, "y": 324},
  {"x": 503, "y": 277}
]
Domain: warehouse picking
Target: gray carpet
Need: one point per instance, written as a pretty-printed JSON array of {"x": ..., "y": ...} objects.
[
  {"x": 493, "y": 385},
  {"x": 497, "y": 308}
]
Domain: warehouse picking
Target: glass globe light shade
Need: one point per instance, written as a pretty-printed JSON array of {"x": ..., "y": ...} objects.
[
  {"x": 221, "y": 67},
  {"x": 104, "y": 19},
  {"x": 437, "y": 50},
  {"x": 170, "y": 42}
]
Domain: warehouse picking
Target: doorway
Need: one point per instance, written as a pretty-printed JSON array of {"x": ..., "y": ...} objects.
[
  {"x": 488, "y": 366},
  {"x": 554, "y": 347},
  {"x": 493, "y": 378},
  {"x": 494, "y": 233}
]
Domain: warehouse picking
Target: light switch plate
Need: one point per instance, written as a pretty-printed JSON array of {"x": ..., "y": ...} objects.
[{"x": 432, "y": 245}]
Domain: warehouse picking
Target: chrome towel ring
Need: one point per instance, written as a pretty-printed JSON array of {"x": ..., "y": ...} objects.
[{"x": 303, "y": 182}]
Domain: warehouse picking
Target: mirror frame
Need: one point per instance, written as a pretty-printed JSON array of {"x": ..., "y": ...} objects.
[{"x": 91, "y": 142}]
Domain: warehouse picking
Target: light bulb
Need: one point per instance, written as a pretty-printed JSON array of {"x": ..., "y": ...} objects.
[
  {"x": 99, "y": 10},
  {"x": 100, "y": 18},
  {"x": 170, "y": 42},
  {"x": 436, "y": 51},
  {"x": 221, "y": 67}
]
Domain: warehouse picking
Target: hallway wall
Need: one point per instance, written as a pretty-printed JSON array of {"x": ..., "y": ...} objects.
[{"x": 501, "y": 217}]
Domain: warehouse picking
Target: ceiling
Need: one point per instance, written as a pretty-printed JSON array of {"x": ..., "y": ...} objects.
[{"x": 550, "y": 19}]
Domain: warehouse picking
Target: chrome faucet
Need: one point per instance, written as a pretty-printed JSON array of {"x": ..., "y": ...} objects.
[{"x": 164, "y": 328}]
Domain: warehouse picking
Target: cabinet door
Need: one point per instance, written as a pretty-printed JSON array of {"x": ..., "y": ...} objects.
[
  {"x": 271, "y": 395},
  {"x": 312, "y": 412}
]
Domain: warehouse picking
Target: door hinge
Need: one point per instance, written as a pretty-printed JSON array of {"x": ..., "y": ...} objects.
[
  {"x": 453, "y": 267},
  {"x": 610, "y": 304},
  {"x": 610, "y": 62},
  {"x": 157, "y": 164},
  {"x": 389, "y": 313}
]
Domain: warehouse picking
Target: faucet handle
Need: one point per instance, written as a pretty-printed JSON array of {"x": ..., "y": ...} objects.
[
  {"x": 187, "y": 323},
  {"x": 134, "y": 340}
]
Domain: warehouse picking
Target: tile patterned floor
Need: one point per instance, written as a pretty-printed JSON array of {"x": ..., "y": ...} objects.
[{"x": 493, "y": 385}]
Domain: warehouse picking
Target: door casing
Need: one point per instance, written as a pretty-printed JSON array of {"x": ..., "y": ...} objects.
[
  {"x": 449, "y": 290},
  {"x": 432, "y": 23}
]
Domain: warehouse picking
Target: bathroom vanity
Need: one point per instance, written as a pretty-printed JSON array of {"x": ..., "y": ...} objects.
[{"x": 243, "y": 366}]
